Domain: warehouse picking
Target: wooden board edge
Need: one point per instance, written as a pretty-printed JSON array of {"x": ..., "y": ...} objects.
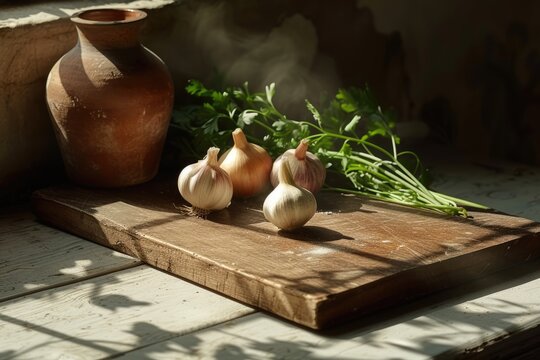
[
  {"x": 202, "y": 272},
  {"x": 447, "y": 274}
]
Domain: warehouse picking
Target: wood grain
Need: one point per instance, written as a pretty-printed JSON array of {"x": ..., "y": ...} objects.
[
  {"x": 34, "y": 257},
  {"x": 109, "y": 315},
  {"x": 444, "y": 332},
  {"x": 353, "y": 257}
]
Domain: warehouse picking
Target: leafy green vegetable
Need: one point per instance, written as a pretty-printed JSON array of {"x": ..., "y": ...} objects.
[{"x": 345, "y": 135}]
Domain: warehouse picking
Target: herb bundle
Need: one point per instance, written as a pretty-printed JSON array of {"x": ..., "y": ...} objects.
[{"x": 345, "y": 135}]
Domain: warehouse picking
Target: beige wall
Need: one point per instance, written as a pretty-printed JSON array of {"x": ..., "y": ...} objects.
[{"x": 27, "y": 145}]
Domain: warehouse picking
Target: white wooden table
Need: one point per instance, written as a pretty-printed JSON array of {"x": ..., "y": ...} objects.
[{"x": 62, "y": 297}]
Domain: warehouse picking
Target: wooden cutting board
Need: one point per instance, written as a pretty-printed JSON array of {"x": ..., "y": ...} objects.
[{"x": 354, "y": 256}]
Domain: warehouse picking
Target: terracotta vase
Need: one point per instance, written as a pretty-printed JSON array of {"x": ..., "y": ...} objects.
[{"x": 110, "y": 99}]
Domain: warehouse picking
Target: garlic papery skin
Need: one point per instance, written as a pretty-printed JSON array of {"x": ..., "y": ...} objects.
[
  {"x": 205, "y": 185},
  {"x": 289, "y": 206},
  {"x": 306, "y": 168},
  {"x": 248, "y": 165}
]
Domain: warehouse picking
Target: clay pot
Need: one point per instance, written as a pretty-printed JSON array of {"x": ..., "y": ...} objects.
[{"x": 110, "y": 99}]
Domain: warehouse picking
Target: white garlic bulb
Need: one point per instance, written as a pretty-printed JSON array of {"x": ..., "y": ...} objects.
[
  {"x": 306, "y": 168},
  {"x": 248, "y": 165},
  {"x": 205, "y": 185},
  {"x": 289, "y": 206}
]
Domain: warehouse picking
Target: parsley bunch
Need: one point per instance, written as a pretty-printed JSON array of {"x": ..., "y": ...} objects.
[{"x": 346, "y": 135}]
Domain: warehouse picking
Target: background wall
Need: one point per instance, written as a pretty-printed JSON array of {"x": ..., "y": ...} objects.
[
  {"x": 475, "y": 70},
  {"x": 461, "y": 73}
]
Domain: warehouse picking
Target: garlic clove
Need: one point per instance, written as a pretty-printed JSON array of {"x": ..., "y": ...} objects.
[
  {"x": 205, "y": 185},
  {"x": 248, "y": 166},
  {"x": 306, "y": 168},
  {"x": 289, "y": 206}
]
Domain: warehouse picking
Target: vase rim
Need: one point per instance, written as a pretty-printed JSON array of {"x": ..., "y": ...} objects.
[{"x": 108, "y": 16}]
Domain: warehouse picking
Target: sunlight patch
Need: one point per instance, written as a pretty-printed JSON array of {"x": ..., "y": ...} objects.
[{"x": 78, "y": 269}]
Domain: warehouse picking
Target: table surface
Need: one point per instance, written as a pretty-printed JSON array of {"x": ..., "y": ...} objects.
[{"x": 64, "y": 297}]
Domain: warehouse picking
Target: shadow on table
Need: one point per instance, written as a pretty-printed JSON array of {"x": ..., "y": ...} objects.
[{"x": 426, "y": 327}]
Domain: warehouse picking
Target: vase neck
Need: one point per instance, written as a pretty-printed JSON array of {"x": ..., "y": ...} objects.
[
  {"x": 109, "y": 37},
  {"x": 109, "y": 28}
]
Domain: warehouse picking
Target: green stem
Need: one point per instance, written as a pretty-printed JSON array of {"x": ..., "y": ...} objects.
[
  {"x": 265, "y": 126},
  {"x": 462, "y": 201},
  {"x": 389, "y": 164},
  {"x": 439, "y": 208},
  {"x": 388, "y": 174}
]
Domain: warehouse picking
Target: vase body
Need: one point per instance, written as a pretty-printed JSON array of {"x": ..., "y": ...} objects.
[{"x": 110, "y": 100}]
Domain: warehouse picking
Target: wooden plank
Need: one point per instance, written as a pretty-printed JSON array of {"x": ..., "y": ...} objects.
[
  {"x": 34, "y": 257},
  {"x": 446, "y": 331},
  {"x": 108, "y": 315},
  {"x": 355, "y": 255},
  {"x": 512, "y": 188}
]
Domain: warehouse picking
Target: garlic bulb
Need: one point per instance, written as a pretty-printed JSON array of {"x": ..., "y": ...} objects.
[
  {"x": 306, "y": 168},
  {"x": 289, "y": 206},
  {"x": 247, "y": 164},
  {"x": 205, "y": 185}
]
